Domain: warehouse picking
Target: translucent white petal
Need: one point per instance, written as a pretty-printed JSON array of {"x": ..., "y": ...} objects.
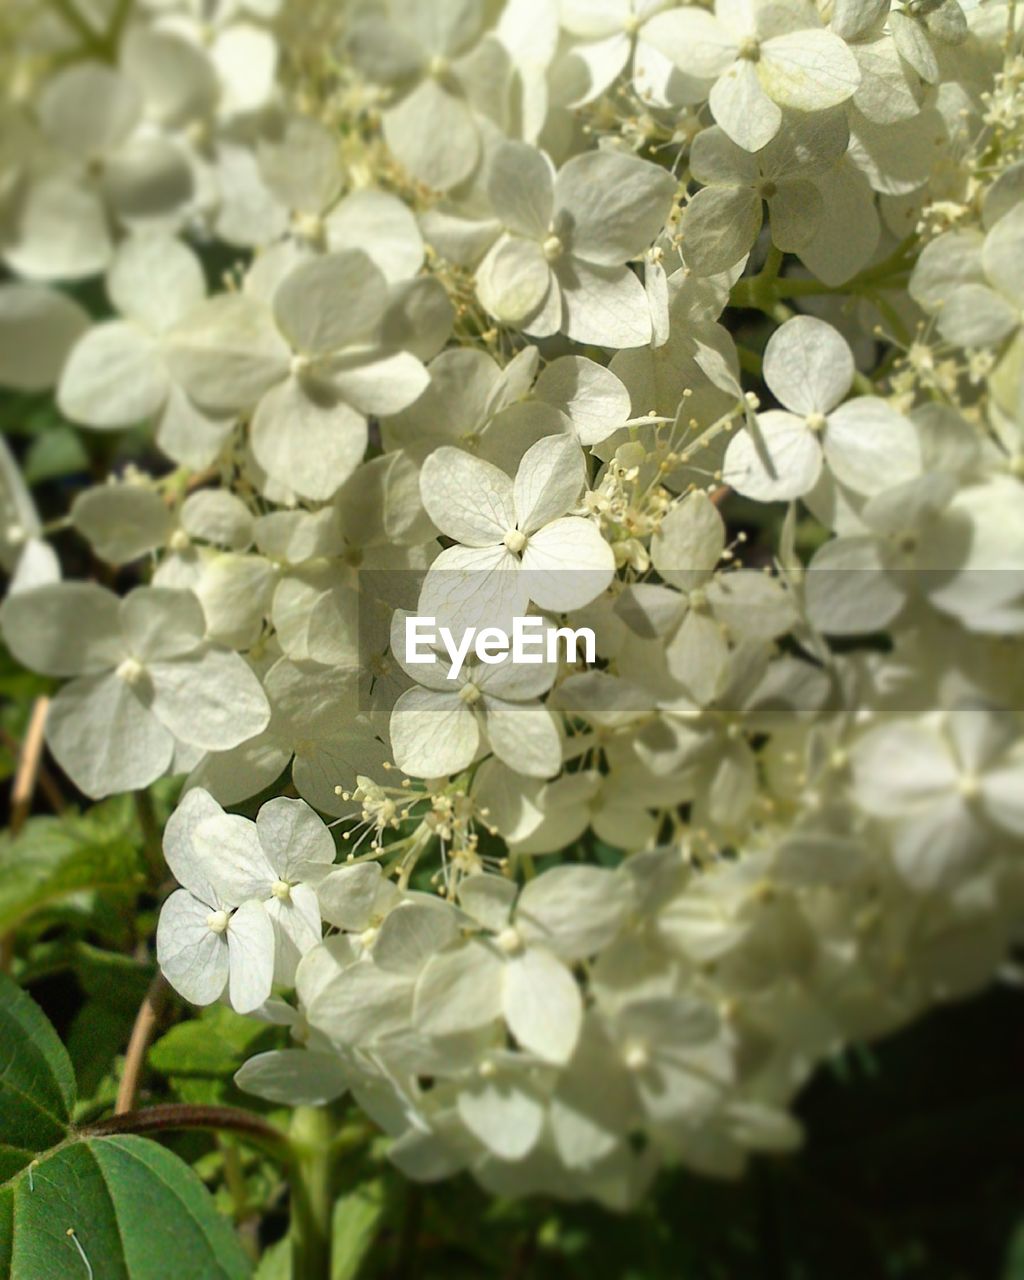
[
  {"x": 503, "y": 1115},
  {"x": 433, "y": 734},
  {"x": 155, "y": 280},
  {"x": 788, "y": 466},
  {"x": 227, "y": 353},
  {"x": 590, "y": 396},
  {"x": 211, "y": 700},
  {"x": 808, "y": 70},
  {"x": 720, "y": 225},
  {"x": 331, "y": 302},
  {"x": 250, "y": 937},
  {"x": 228, "y": 848},
  {"x": 542, "y": 1004},
  {"x": 520, "y": 186},
  {"x": 459, "y": 990},
  {"x": 870, "y": 446},
  {"x": 689, "y": 542},
  {"x": 104, "y": 738},
  {"x": 573, "y": 911},
  {"x": 122, "y": 522},
  {"x": 160, "y": 623},
  {"x": 292, "y": 834},
  {"x": 567, "y": 564},
  {"x": 114, "y": 377},
  {"x": 808, "y": 365},
  {"x": 64, "y": 629},
  {"x": 381, "y": 386},
  {"x": 433, "y": 134},
  {"x": 617, "y": 204},
  {"x": 468, "y": 499},
  {"x": 524, "y": 735},
  {"x": 193, "y": 958},
  {"x": 548, "y": 482},
  {"x": 307, "y": 438},
  {"x": 513, "y": 280},
  {"x": 294, "y": 1077},
  {"x": 38, "y": 327},
  {"x": 605, "y": 306},
  {"x": 382, "y": 227},
  {"x": 743, "y": 109}
]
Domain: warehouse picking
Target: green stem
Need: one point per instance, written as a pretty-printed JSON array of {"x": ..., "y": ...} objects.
[
  {"x": 92, "y": 40},
  {"x": 245, "y": 1124},
  {"x": 152, "y": 845},
  {"x": 312, "y": 1187}
]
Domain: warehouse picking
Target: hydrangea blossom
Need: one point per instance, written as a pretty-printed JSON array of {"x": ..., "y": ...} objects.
[{"x": 699, "y": 328}]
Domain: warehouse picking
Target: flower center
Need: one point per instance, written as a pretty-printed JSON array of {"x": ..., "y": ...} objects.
[
  {"x": 816, "y": 422},
  {"x": 553, "y": 247},
  {"x": 636, "y": 1056},
  {"x": 469, "y": 693},
  {"x": 217, "y": 921},
  {"x": 515, "y": 541},
  {"x": 750, "y": 49},
  {"x": 131, "y": 671},
  {"x": 509, "y": 941},
  {"x": 969, "y": 786},
  {"x": 438, "y": 66},
  {"x": 281, "y": 890},
  {"x": 300, "y": 365}
]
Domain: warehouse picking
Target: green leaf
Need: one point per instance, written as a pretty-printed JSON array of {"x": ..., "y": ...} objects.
[
  {"x": 56, "y": 452},
  {"x": 115, "y": 1208},
  {"x": 37, "y": 1084},
  {"x": 212, "y": 1046},
  {"x": 136, "y": 1212},
  {"x": 276, "y": 1263},
  {"x": 355, "y": 1223},
  {"x": 53, "y": 858}
]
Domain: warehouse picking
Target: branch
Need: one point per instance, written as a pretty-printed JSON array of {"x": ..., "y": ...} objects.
[
  {"x": 28, "y": 765},
  {"x": 135, "y": 1055},
  {"x": 246, "y": 1124}
]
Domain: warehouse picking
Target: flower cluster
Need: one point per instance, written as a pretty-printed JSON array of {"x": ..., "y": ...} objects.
[{"x": 700, "y": 326}]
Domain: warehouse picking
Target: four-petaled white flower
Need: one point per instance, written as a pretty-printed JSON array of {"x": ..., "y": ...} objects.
[{"x": 867, "y": 445}]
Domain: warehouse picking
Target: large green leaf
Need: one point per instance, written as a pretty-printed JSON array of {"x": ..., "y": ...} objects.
[
  {"x": 54, "y": 858},
  {"x": 356, "y": 1221},
  {"x": 136, "y": 1211},
  {"x": 37, "y": 1085},
  {"x": 113, "y": 1207},
  {"x": 200, "y": 1056}
]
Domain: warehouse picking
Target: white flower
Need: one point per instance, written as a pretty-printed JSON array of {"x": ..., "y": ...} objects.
[
  {"x": 974, "y": 288},
  {"x": 38, "y": 327},
  {"x": 761, "y": 57},
  {"x": 277, "y": 861},
  {"x": 210, "y": 940},
  {"x": 439, "y": 729},
  {"x": 605, "y": 38},
  {"x": 945, "y": 785},
  {"x": 430, "y": 55},
  {"x": 520, "y": 973},
  {"x": 117, "y": 373},
  {"x": 310, "y": 368},
  {"x": 90, "y": 113},
  {"x": 560, "y": 267},
  {"x": 517, "y": 543},
  {"x": 866, "y": 444},
  {"x": 722, "y": 221},
  {"x": 146, "y": 680}
]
